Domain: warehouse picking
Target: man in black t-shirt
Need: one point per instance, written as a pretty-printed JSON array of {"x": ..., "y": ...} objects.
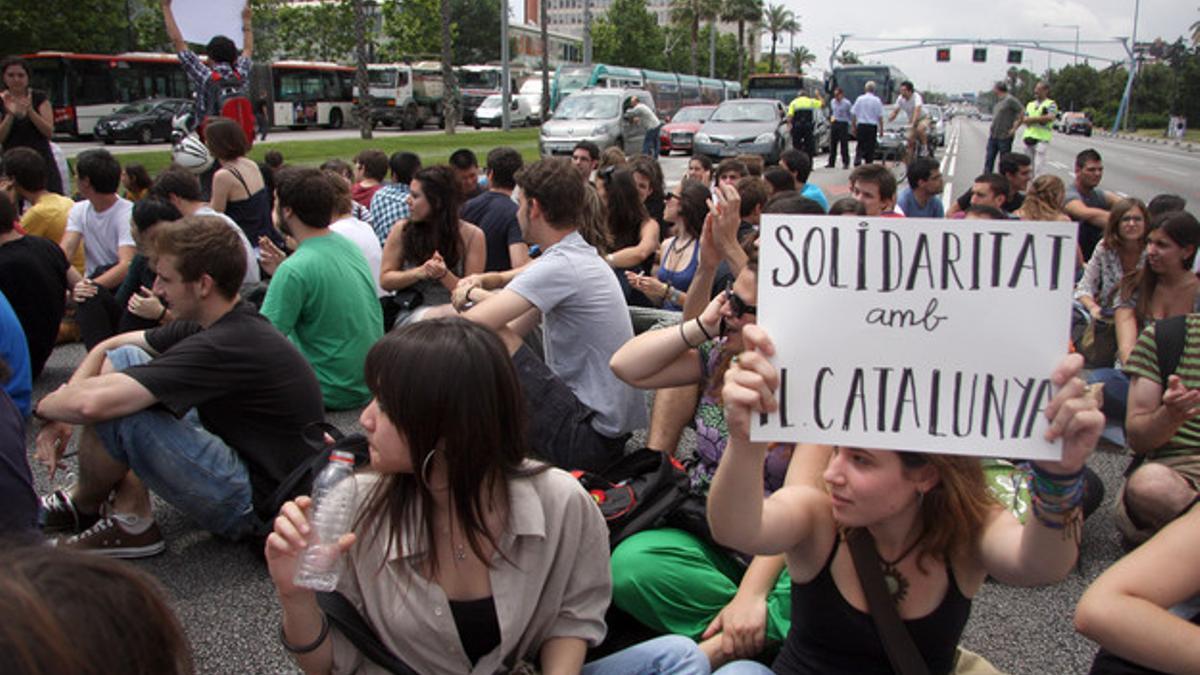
[
  {"x": 206, "y": 411},
  {"x": 495, "y": 212},
  {"x": 1017, "y": 169},
  {"x": 34, "y": 276}
]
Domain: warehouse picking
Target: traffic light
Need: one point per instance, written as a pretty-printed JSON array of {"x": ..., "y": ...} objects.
[
  {"x": 943, "y": 54},
  {"x": 1015, "y": 56},
  {"x": 979, "y": 55}
]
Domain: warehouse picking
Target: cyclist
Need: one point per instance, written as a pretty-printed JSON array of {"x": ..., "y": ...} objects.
[{"x": 918, "y": 133}]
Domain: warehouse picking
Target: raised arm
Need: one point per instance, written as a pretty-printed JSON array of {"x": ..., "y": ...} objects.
[
  {"x": 667, "y": 357},
  {"x": 173, "y": 32},
  {"x": 635, "y": 255}
]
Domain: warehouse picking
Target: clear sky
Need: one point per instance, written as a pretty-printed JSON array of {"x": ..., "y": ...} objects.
[{"x": 971, "y": 19}]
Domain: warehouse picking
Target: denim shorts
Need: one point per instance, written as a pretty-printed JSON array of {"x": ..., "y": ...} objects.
[{"x": 180, "y": 461}]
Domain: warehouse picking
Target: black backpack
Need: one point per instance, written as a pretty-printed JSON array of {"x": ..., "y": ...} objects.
[
  {"x": 637, "y": 492},
  {"x": 225, "y": 96}
]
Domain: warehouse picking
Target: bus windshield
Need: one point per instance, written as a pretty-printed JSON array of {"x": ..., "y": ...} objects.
[
  {"x": 382, "y": 78},
  {"x": 853, "y": 81},
  {"x": 479, "y": 79}
]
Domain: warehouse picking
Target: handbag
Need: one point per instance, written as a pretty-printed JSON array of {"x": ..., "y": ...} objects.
[
  {"x": 1098, "y": 345},
  {"x": 636, "y": 492}
]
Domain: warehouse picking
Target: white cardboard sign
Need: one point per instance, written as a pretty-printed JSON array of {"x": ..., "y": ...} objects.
[
  {"x": 202, "y": 20},
  {"x": 915, "y": 334}
]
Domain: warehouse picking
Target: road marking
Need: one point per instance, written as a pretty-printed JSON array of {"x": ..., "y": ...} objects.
[
  {"x": 947, "y": 193},
  {"x": 1173, "y": 171},
  {"x": 1057, "y": 165}
]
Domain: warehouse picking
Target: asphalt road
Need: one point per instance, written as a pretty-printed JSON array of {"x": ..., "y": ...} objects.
[{"x": 225, "y": 600}]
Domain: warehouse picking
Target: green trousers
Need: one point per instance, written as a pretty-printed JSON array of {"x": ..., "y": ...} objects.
[{"x": 674, "y": 582}]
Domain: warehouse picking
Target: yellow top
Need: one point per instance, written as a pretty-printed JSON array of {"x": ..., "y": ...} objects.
[{"x": 48, "y": 219}]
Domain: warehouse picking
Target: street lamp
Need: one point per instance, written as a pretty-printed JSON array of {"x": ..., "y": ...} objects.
[{"x": 1067, "y": 25}]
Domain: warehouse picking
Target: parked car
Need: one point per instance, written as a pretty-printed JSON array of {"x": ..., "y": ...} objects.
[
  {"x": 142, "y": 121},
  {"x": 938, "y": 121},
  {"x": 531, "y": 91},
  {"x": 490, "y": 112},
  {"x": 677, "y": 134},
  {"x": 596, "y": 115},
  {"x": 1074, "y": 123},
  {"x": 755, "y": 126}
]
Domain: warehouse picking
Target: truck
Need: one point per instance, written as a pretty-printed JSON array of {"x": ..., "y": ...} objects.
[
  {"x": 477, "y": 82},
  {"x": 406, "y": 95}
]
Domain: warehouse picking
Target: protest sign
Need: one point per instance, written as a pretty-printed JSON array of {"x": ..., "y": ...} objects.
[
  {"x": 202, "y": 20},
  {"x": 915, "y": 334}
]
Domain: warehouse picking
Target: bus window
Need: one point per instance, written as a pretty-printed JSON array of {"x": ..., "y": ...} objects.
[
  {"x": 93, "y": 83},
  {"x": 128, "y": 84},
  {"x": 289, "y": 86}
]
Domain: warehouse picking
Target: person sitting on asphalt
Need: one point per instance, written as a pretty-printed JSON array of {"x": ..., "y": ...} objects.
[
  {"x": 989, "y": 189},
  {"x": 14, "y": 351},
  {"x": 633, "y": 232},
  {"x": 1086, "y": 202},
  {"x": 1111, "y": 273},
  {"x": 100, "y": 222},
  {"x": 359, "y": 232},
  {"x": 239, "y": 188},
  {"x": 730, "y": 171},
  {"x": 922, "y": 198},
  {"x": 48, "y": 211},
  {"x": 984, "y": 212},
  {"x": 495, "y": 212},
  {"x": 581, "y": 414},
  {"x": 207, "y": 411},
  {"x": 1143, "y": 611},
  {"x": 370, "y": 170},
  {"x": 586, "y": 158},
  {"x": 343, "y": 169},
  {"x": 1017, "y": 168},
  {"x": 847, "y": 206},
  {"x": 1044, "y": 200},
  {"x": 133, "y": 306},
  {"x": 389, "y": 205},
  {"x": 518, "y": 575},
  {"x": 466, "y": 172},
  {"x": 875, "y": 187},
  {"x": 426, "y": 255},
  {"x": 800, "y": 165},
  {"x": 651, "y": 187},
  {"x": 778, "y": 180},
  {"x": 930, "y": 515},
  {"x": 678, "y": 256},
  {"x": 322, "y": 297},
  {"x": 18, "y": 500},
  {"x": 35, "y": 276},
  {"x": 181, "y": 189},
  {"x": 700, "y": 169}
]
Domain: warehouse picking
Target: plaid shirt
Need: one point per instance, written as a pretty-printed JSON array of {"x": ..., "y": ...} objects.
[
  {"x": 388, "y": 206},
  {"x": 198, "y": 73}
]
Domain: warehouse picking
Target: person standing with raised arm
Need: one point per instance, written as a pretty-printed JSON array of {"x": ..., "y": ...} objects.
[{"x": 222, "y": 55}]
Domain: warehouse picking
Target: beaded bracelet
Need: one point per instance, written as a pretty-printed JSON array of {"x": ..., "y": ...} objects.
[{"x": 1055, "y": 498}]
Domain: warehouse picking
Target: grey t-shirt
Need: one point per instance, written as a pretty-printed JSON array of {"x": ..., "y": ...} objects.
[
  {"x": 584, "y": 321},
  {"x": 1004, "y": 115}
]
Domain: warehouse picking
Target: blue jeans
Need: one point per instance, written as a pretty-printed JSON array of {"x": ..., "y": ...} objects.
[
  {"x": 1116, "y": 392},
  {"x": 744, "y": 667},
  {"x": 180, "y": 461},
  {"x": 650, "y": 142},
  {"x": 995, "y": 148},
  {"x": 666, "y": 655}
]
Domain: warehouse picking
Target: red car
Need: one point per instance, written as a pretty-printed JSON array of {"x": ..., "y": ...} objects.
[{"x": 677, "y": 134}]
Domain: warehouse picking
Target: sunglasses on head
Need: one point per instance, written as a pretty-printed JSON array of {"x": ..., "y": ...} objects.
[{"x": 737, "y": 305}]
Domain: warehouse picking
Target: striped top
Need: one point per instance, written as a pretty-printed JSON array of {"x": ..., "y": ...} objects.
[{"x": 1143, "y": 362}]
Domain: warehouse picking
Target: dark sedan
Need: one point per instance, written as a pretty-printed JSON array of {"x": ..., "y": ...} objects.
[
  {"x": 142, "y": 121},
  {"x": 677, "y": 134}
]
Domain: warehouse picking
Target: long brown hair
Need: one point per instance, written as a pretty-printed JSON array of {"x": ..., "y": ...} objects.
[
  {"x": 450, "y": 389},
  {"x": 1112, "y": 229},
  {"x": 1044, "y": 199},
  {"x": 72, "y": 612},
  {"x": 441, "y": 232},
  {"x": 1182, "y": 228},
  {"x": 954, "y": 511}
]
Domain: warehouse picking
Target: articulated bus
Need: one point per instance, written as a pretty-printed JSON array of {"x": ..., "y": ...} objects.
[
  {"x": 671, "y": 91},
  {"x": 85, "y": 87}
]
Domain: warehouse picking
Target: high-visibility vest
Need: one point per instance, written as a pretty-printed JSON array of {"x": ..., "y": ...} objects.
[
  {"x": 1040, "y": 132},
  {"x": 801, "y": 107}
]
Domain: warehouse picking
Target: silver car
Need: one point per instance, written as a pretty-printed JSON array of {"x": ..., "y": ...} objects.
[
  {"x": 747, "y": 126},
  {"x": 594, "y": 115},
  {"x": 938, "y": 121}
]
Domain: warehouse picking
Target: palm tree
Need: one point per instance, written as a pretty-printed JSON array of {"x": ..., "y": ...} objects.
[
  {"x": 743, "y": 12},
  {"x": 802, "y": 57},
  {"x": 450, "y": 91},
  {"x": 689, "y": 14},
  {"x": 1195, "y": 28},
  {"x": 778, "y": 20}
]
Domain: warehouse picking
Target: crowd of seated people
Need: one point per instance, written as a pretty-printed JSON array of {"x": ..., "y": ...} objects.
[{"x": 498, "y": 333}]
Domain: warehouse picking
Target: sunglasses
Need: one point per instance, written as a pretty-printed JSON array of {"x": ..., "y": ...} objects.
[
  {"x": 672, "y": 195},
  {"x": 737, "y": 305}
]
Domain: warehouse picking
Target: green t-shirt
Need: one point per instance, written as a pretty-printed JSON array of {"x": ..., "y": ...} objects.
[
  {"x": 323, "y": 299},
  {"x": 1143, "y": 362}
]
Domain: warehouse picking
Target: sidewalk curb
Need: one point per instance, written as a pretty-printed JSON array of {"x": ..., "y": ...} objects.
[{"x": 1187, "y": 146}]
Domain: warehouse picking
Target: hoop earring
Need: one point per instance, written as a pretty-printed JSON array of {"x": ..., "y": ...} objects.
[{"x": 425, "y": 466}]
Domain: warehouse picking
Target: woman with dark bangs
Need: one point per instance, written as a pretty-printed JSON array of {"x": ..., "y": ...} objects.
[
  {"x": 937, "y": 531},
  {"x": 428, "y": 253},
  {"x": 465, "y": 556},
  {"x": 633, "y": 232}
]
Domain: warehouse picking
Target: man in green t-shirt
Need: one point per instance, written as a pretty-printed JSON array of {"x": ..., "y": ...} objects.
[
  {"x": 322, "y": 297},
  {"x": 1162, "y": 425}
]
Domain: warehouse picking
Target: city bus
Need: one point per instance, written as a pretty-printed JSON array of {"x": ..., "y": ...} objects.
[
  {"x": 782, "y": 87},
  {"x": 85, "y": 87},
  {"x": 853, "y": 81},
  {"x": 671, "y": 91}
]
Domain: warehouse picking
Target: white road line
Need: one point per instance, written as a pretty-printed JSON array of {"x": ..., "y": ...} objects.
[
  {"x": 1177, "y": 172},
  {"x": 947, "y": 193},
  {"x": 1057, "y": 165}
]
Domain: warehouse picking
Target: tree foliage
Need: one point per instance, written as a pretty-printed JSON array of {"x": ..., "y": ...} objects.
[
  {"x": 628, "y": 35},
  {"x": 678, "y": 56},
  {"x": 744, "y": 13},
  {"x": 96, "y": 26},
  {"x": 413, "y": 28},
  {"x": 779, "y": 21},
  {"x": 317, "y": 32}
]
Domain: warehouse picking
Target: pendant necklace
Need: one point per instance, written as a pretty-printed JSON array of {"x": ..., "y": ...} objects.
[{"x": 897, "y": 585}]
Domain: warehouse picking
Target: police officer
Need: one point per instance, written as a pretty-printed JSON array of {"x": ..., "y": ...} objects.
[
  {"x": 802, "y": 112},
  {"x": 1040, "y": 113}
]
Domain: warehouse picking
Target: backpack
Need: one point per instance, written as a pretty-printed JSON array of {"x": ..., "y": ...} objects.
[
  {"x": 637, "y": 492},
  {"x": 226, "y": 97}
]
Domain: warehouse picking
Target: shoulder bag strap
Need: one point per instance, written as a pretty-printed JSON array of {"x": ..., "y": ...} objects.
[
  {"x": 1169, "y": 337},
  {"x": 350, "y": 623},
  {"x": 897, "y": 642}
]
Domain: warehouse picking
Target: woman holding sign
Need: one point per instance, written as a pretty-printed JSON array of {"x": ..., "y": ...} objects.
[{"x": 929, "y": 520}]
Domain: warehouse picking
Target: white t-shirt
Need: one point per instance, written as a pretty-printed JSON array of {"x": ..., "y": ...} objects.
[
  {"x": 910, "y": 104},
  {"x": 103, "y": 231},
  {"x": 252, "y": 275},
  {"x": 365, "y": 239}
]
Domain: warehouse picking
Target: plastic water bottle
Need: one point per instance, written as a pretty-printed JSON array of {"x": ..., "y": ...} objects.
[{"x": 332, "y": 514}]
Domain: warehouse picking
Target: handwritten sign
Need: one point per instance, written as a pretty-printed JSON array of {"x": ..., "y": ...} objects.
[
  {"x": 915, "y": 334},
  {"x": 202, "y": 20}
]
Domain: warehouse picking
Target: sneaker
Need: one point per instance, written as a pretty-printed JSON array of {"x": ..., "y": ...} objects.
[
  {"x": 119, "y": 536},
  {"x": 59, "y": 514}
]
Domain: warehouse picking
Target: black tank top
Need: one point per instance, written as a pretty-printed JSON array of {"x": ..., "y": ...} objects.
[
  {"x": 829, "y": 635},
  {"x": 253, "y": 214},
  {"x": 478, "y": 626}
]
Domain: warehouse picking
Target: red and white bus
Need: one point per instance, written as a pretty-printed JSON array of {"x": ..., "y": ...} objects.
[{"x": 85, "y": 87}]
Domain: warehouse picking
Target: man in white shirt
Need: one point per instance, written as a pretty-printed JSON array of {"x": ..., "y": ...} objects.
[
  {"x": 866, "y": 113},
  {"x": 100, "y": 223},
  {"x": 636, "y": 110},
  {"x": 918, "y": 124}
]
